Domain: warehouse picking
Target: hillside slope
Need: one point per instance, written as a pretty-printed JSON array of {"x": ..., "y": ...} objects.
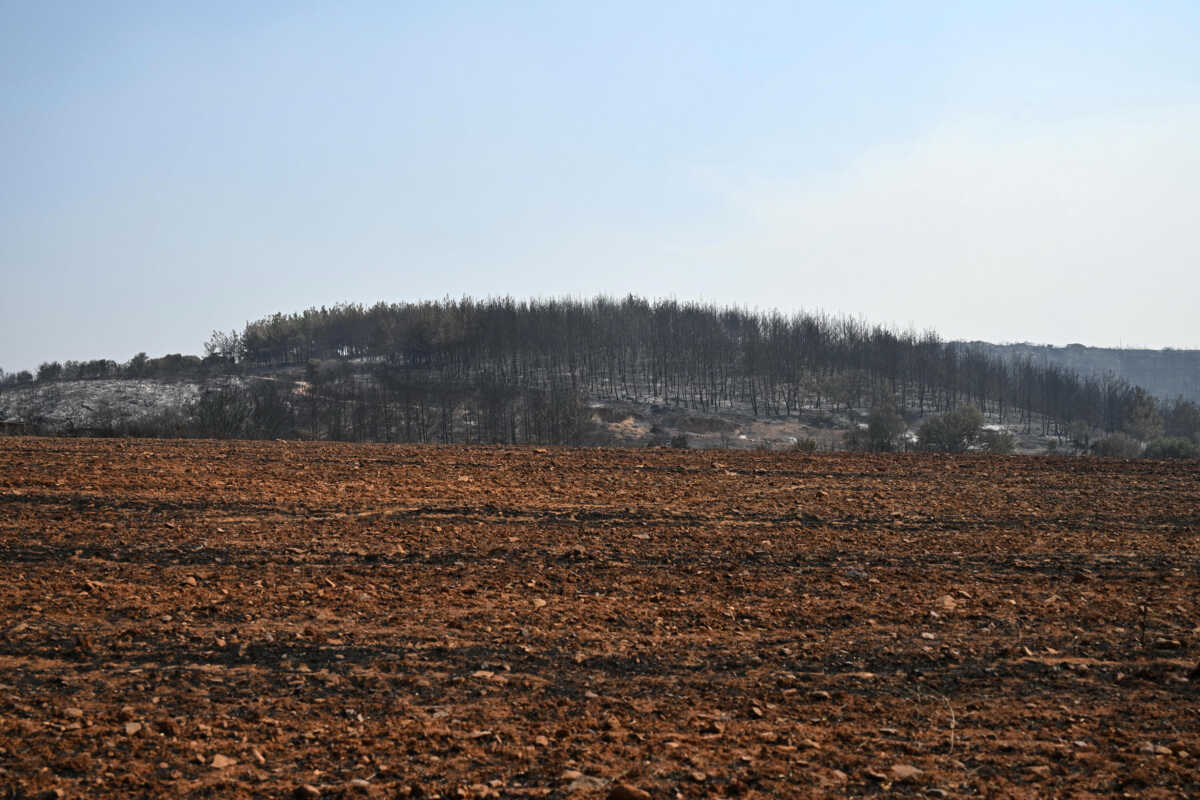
[{"x": 1166, "y": 374}]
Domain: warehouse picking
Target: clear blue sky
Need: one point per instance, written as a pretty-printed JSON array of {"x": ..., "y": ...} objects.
[{"x": 1004, "y": 171}]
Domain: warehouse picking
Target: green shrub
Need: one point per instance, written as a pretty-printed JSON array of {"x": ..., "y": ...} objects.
[
  {"x": 954, "y": 432},
  {"x": 1118, "y": 445},
  {"x": 805, "y": 446},
  {"x": 1172, "y": 447},
  {"x": 998, "y": 442},
  {"x": 885, "y": 426}
]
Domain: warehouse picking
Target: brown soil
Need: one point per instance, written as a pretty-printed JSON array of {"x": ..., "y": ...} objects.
[{"x": 250, "y": 619}]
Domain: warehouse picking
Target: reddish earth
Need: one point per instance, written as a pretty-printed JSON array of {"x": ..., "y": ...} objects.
[{"x": 267, "y": 619}]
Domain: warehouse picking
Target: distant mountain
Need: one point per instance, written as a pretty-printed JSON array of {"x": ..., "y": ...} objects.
[{"x": 1166, "y": 374}]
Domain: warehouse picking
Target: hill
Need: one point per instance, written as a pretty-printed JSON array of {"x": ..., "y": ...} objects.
[
  {"x": 600, "y": 371},
  {"x": 1166, "y": 374}
]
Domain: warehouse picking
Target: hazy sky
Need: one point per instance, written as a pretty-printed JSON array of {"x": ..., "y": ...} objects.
[{"x": 1005, "y": 171}]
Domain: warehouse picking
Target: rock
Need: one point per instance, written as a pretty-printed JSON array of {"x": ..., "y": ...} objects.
[
  {"x": 258, "y": 757},
  {"x": 1149, "y": 748},
  {"x": 541, "y": 741},
  {"x": 585, "y": 783},
  {"x": 1041, "y": 770},
  {"x": 698, "y": 776},
  {"x": 828, "y": 779},
  {"x": 623, "y": 791},
  {"x": 360, "y": 785},
  {"x": 307, "y": 792},
  {"x": 820, "y": 694},
  {"x": 222, "y": 761},
  {"x": 905, "y": 772},
  {"x": 133, "y": 728},
  {"x": 947, "y": 603},
  {"x": 73, "y": 713},
  {"x": 570, "y": 775},
  {"x": 538, "y": 602},
  {"x": 190, "y": 580}
]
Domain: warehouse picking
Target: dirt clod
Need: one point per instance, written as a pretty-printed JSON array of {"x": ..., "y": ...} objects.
[{"x": 624, "y": 791}]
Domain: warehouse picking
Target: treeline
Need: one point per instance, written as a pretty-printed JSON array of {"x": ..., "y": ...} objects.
[
  {"x": 173, "y": 366},
  {"x": 504, "y": 370},
  {"x": 700, "y": 356}
]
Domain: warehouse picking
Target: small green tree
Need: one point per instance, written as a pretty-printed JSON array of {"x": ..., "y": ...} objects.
[
  {"x": 885, "y": 426},
  {"x": 954, "y": 432}
]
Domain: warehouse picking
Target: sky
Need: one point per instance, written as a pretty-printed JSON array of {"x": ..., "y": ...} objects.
[{"x": 1007, "y": 171}]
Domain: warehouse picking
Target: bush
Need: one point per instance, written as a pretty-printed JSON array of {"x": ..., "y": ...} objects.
[
  {"x": 884, "y": 428},
  {"x": 954, "y": 432},
  {"x": 805, "y": 446},
  {"x": 1118, "y": 445},
  {"x": 998, "y": 442},
  {"x": 1172, "y": 447},
  {"x": 680, "y": 441}
]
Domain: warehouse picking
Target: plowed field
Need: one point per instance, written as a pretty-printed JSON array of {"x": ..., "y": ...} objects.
[{"x": 212, "y": 619}]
